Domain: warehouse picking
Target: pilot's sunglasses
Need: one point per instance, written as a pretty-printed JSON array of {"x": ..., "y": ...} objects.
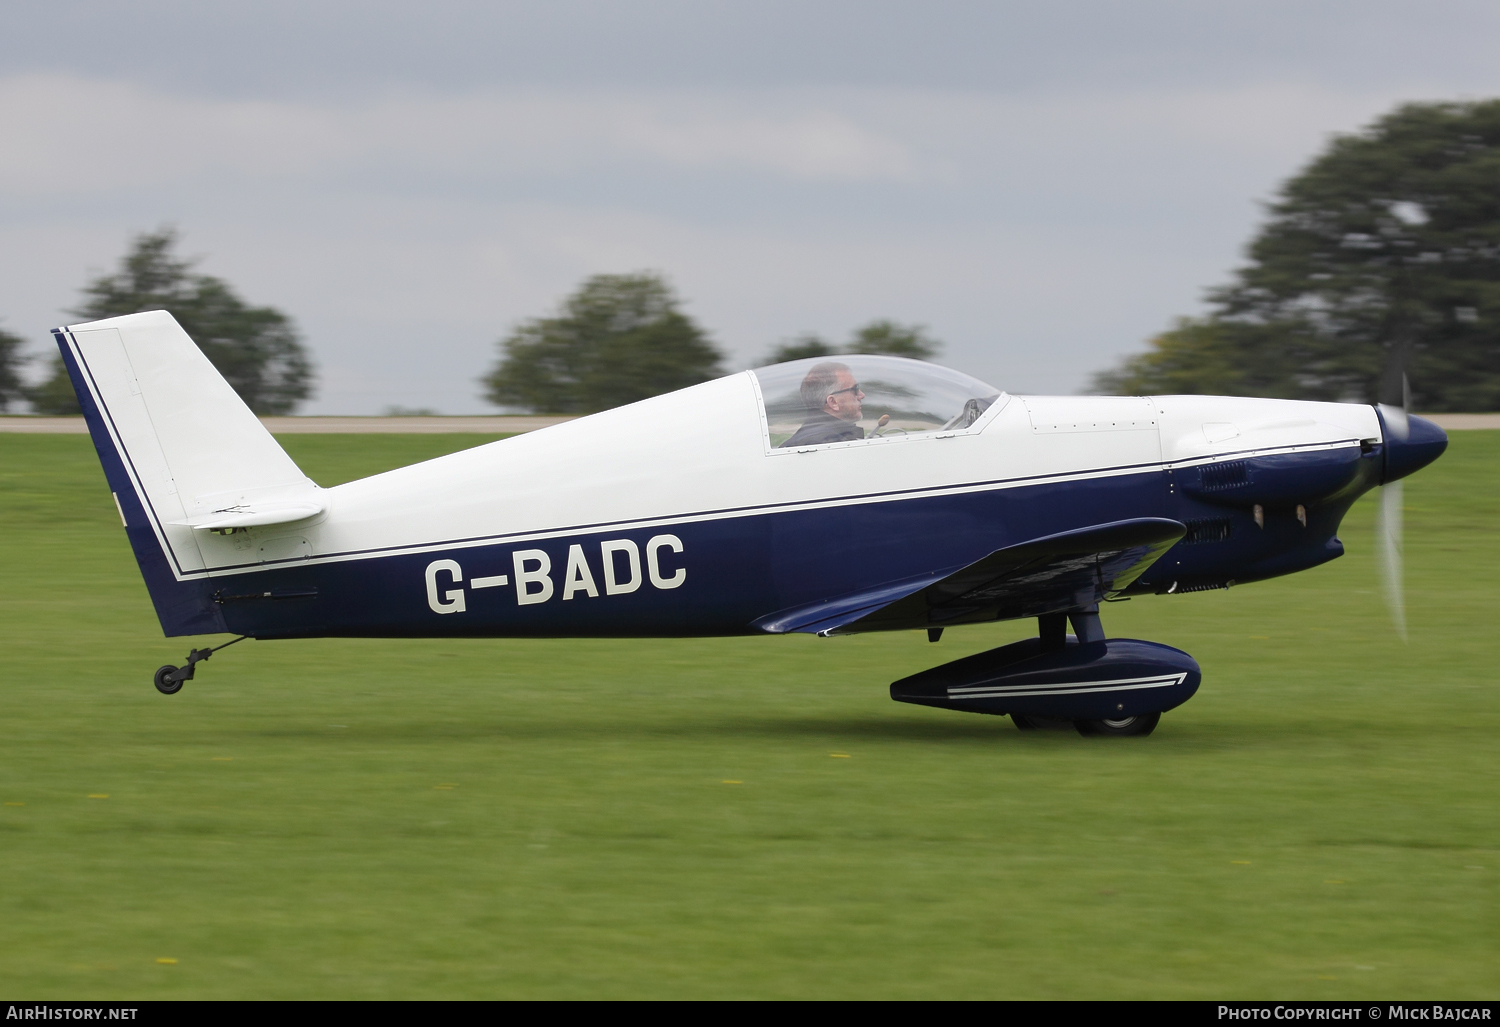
[{"x": 852, "y": 388}]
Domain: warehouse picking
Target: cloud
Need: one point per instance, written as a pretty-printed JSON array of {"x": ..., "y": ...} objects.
[{"x": 71, "y": 135}]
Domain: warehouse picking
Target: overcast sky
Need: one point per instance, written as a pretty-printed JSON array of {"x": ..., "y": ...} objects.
[{"x": 1044, "y": 185}]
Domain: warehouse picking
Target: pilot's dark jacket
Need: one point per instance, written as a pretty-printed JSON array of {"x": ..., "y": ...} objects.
[{"x": 820, "y": 428}]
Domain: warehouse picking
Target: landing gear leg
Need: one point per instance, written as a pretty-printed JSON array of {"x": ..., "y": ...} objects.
[
  {"x": 168, "y": 679},
  {"x": 1053, "y": 627},
  {"x": 1086, "y": 626}
]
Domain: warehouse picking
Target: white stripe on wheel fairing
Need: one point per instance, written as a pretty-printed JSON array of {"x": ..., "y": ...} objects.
[{"x": 1064, "y": 687}]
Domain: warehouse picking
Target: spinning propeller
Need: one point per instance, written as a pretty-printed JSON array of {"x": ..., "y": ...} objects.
[
  {"x": 1388, "y": 526},
  {"x": 1411, "y": 443}
]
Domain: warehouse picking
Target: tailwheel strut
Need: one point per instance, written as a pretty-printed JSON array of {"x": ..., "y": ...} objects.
[{"x": 168, "y": 679}]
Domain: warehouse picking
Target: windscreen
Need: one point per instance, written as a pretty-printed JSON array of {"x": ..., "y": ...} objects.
[{"x": 823, "y": 400}]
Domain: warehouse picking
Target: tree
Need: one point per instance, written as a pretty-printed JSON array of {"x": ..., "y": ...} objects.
[
  {"x": 1384, "y": 252},
  {"x": 55, "y": 393},
  {"x": 882, "y": 336},
  {"x": 800, "y": 348},
  {"x": 896, "y": 340},
  {"x": 255, "y": 348},
  {"x": 12, "y": 387},
  {"x": 1208, "y": 356},
  {"x": 618, "y": 339}
]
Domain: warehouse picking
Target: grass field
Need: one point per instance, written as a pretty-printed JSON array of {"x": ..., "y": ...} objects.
[{"x": 743, "y": 817}]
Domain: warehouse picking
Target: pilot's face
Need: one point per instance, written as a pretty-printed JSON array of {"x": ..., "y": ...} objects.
[{"x": 845, "y": 401}]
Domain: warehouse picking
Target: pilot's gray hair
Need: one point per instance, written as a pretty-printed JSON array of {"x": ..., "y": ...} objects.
[{"x": 821, "y": 381}]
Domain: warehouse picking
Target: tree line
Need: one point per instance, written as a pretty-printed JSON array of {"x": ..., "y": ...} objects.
[{"x": 617, "y": 339}]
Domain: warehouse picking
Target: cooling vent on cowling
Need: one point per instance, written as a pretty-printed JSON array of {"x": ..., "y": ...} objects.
[
  {"x": 1206, "y": 586},
  {"x": 1216, "y": 477},
  {"x": 1201, "y": 532}
]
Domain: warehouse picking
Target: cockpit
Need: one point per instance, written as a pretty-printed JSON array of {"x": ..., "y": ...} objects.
[{"x": 850, "y": 399}]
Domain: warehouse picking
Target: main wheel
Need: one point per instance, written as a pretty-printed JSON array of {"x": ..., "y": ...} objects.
[
  {"x": 164, "y": 684},
  {"x": 1124, "y": 727}
]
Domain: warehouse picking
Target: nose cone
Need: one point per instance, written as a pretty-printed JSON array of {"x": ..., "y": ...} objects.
[{"x": 1407, "y": 452}]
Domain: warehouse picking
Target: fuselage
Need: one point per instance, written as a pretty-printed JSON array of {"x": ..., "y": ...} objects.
[{"x": 680, "y": 516}]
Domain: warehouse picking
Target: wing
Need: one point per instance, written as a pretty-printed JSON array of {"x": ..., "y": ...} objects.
[{"x": 1046, "y": 575}]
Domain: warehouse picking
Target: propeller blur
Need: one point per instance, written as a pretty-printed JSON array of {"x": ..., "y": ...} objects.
[
  {"x": 1388, "y": 532},
  {"x": 825, "y": 496}
]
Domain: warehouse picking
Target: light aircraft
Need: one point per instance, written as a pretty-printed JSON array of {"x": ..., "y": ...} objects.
[{"x": 827, "y": 496}]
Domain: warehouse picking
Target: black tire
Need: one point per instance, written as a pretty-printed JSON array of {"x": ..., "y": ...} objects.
[
  {"x": 1126, "y": 727},
  {"x": 163, "y": 685},
  {"x": 1022, "y": 723}
]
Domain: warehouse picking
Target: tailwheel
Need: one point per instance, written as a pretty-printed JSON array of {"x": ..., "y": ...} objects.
[
  {"x": 166, "y": 681},
  {"x": 1125, "y": 727}
]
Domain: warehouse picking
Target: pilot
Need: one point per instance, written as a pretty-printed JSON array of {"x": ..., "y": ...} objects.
[{"x": 833, "y": 401}]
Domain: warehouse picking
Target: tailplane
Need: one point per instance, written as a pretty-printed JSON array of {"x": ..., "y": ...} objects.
[{"x": 182, "y": 453}]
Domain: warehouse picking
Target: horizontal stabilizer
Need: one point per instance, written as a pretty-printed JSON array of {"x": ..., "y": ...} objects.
[
  {"x": 1068, "y": 571},
  {"x": 250, "y": 515}
]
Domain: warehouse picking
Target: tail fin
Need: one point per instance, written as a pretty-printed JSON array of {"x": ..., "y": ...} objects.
[{"x": 182, "y": 454}]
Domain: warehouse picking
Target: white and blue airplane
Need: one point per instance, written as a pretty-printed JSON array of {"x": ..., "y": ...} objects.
[{"x": 828, "y": 496}]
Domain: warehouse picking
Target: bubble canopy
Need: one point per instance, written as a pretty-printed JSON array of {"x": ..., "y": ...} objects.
[{"x": 848, "y": 399}]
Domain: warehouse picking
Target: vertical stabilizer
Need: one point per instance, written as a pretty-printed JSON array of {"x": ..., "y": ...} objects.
[{"x": 181, "y": 451}]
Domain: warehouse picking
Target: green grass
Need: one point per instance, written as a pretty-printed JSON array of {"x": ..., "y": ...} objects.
[{"x": 408, "y": 819}]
